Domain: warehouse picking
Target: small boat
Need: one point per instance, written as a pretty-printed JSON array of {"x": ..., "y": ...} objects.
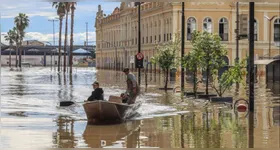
[{"x": 111, "y": 111}]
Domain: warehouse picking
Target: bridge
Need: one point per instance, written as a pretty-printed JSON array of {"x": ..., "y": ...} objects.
[{"x": 41, "y": 50}]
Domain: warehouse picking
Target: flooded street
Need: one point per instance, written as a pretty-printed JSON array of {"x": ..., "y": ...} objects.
[{"x": 31, "y": 118}]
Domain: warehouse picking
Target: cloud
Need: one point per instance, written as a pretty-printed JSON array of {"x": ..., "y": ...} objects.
[{"x": 79, "y": 38}]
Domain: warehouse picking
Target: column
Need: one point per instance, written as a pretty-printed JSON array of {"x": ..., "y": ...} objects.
[{"x": 266, "y": 28}]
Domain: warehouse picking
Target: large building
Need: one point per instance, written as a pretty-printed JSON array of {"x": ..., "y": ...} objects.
[{"x": 116, "y": 34}]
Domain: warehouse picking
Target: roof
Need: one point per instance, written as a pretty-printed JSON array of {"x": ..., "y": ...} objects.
[{"x": 81, "y": 51}]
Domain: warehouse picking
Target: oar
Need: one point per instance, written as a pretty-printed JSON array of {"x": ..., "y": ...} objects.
[{"x": 68, "y": 103}]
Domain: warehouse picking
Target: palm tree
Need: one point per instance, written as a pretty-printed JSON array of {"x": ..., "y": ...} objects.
[
  {"x": 71, "y": 37},
  {"x": 60, "y": 8},
  {"x": 21, "y": 21},
  {"x": 11, "y": 38},
  {"x": 16, "y": 40},
  {"x": 67, "y": 9}
]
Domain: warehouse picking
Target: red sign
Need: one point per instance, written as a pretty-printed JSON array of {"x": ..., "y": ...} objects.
[{"x": 139, "y": 56}]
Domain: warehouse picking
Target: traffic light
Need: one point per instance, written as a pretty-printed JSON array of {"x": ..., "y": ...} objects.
[{"x": 138, "y": 62}]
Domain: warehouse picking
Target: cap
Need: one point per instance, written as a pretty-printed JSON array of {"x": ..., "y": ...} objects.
[{"x": 96, "y": 82}]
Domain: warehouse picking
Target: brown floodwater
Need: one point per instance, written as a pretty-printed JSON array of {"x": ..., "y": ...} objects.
[{"x": 31, "y": 118}]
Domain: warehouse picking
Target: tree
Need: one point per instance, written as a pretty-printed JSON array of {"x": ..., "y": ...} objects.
[
  {"x": 212, "y": 52},
  {"x": 11, "y": 37},
  {"x": 71, "y": 37},
  {"x": 167, "y": 56},
  {"x": 229, "y": 77},
  {"x": 60, "y": 8},
  {"x": 22, "y": 22},
  {"x": 67, "y": 9},
  {"x": 193, "y": 62}
]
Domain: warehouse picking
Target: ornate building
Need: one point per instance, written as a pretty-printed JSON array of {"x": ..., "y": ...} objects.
[{"x": 116, "y": 34}]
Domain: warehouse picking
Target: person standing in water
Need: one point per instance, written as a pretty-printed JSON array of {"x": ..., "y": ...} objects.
[{"x": 133, "y": 88}]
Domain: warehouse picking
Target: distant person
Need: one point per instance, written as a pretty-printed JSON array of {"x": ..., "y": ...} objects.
[
  {"x": 97, "y": 94},
  {"x": 133, "y": 89}
]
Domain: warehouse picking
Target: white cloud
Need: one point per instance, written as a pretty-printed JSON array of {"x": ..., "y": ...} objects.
[{"x": 79, "y": 38}]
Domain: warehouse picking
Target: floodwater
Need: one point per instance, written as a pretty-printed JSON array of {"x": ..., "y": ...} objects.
[{"x": 31, "y": 118}]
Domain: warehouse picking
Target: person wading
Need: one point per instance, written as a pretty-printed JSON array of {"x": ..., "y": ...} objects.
[{"x": 133, "y": 88}]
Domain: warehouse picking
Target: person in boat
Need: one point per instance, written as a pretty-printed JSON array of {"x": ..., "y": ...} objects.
[
  {"x": 97, "y": 94},
  {"x": 133, "y": 88},
  {"x": 124, "y": 98}
]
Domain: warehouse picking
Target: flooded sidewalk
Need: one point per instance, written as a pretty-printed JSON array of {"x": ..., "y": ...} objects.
[{"x": 31, "y": 118}]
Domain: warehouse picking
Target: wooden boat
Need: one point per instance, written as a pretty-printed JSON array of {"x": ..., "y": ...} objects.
[{"x": 110, "y": 111}]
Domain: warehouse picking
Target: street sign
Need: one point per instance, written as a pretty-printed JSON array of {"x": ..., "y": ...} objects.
[
  {"x": 139, "y": 56},
  {"x": 139, "y": 60}
]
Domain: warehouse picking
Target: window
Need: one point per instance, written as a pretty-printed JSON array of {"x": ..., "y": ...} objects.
[
  {"x": 277, "y": 30},
  {"x": 151, "y": 39},
  {"x": 155, "y": 38},
  {"x": 255, "y": 30},
  {"x": 164, "y": 38},
  {"x": 223, "y": 29},
  {"x": 191, "y": 25},
  {"x": 170, "y": 36},
  {"x": 159, "y": 38},
  {"x": 207, "y": 25}
]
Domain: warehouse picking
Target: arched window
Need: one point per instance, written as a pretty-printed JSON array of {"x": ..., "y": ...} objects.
[
  {"x": 223, "y": 29},
  {"x": 207, "y": 25},
  {"x": 277, "y": 30},
  {"x": 191, "y": 26},
  {"x": 255, "y": 30}
]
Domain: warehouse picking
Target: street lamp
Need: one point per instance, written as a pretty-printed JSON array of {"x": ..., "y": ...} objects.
[
  {"x": 53, "y": 20},
  {"x": 269, "y": 19}
]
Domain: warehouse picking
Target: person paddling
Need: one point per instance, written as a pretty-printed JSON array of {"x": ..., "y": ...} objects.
[
  {"x": 133, "y": 88},
  {"x": 97, "y": 94}
]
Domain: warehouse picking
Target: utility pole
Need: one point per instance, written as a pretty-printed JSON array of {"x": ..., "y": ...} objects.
[
  {"x": 53, "y": 20},
  {"x": 139, "y": 39},
  {"x": 237, "y": 33},
  {"x": 86, "y": 35},
  {"x": 251, "y": 74},
  {"x": 183, "y": 46}
]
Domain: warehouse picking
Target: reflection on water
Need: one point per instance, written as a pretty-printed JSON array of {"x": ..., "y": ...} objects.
[{"x": 29, "y": 111}]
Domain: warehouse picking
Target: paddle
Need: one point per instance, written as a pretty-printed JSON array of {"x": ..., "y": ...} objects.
[{"x": 68, "y": 103}]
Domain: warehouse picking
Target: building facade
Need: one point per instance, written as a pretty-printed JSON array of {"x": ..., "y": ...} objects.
[{"x": 117, "y": 33}]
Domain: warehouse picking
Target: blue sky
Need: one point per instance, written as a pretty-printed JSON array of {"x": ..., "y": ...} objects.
[{"x": 39, "y": 12}]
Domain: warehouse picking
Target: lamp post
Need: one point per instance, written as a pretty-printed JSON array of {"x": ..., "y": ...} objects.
[
  {"x": 269, "y": 19},
  {"x": 53, "y": 20},
  {"x": 86, "y": 34},
  {"x": 183, "y": 46}
]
